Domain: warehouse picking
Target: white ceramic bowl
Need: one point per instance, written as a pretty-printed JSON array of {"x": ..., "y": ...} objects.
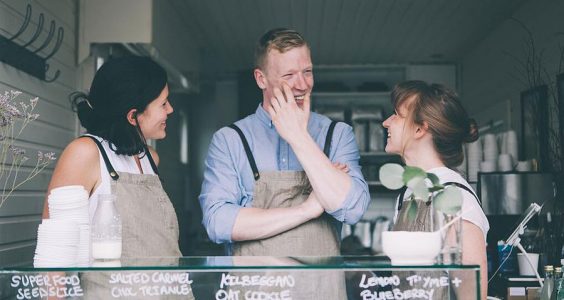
[{"x": 411, "y": 248}]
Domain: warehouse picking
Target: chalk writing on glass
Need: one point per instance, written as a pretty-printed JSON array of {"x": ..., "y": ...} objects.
[
  {"x": 42, "y": 286},
  {"x": 420, "y": 287},
  {"x": 229, "y": 284},
  {"x": 149, "y": 284}
]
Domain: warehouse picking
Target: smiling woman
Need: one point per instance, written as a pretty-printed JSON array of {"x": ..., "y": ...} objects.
[
  {"x": 428, "y": 129},
  {"x": 127, "y": 104},
  {"x": 152, "y": 121}
]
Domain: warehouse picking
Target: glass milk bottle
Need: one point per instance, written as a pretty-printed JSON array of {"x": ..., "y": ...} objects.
[
  {"x": 106, "y": 229},
  {"x": 557, "y": 283},
  {"x": 548, "y": 285}
]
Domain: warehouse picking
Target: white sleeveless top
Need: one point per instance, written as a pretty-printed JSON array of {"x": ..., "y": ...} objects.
[
  {"x": 121, "y": 163},
  {"x": 470, "y": 205}
]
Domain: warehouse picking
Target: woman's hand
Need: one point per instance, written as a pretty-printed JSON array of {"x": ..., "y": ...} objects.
[{"x": 342, "y": 167}]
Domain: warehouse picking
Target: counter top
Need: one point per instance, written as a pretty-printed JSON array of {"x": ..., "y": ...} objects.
[
  {"x": 240, "y": 277},
  {"x": 240, "y": 263}
]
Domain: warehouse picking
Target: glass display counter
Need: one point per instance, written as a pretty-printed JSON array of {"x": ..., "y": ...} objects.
[{"x": 237, "y": 278}]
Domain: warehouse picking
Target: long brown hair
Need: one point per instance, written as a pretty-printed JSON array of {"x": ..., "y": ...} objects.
[{"x": 440, "y": 108}]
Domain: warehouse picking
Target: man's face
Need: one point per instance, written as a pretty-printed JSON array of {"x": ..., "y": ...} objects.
[{"x": 293, "y": 67}]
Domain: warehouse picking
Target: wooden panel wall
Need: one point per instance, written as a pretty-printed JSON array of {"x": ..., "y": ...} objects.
[{"x": 21, "y": 213}]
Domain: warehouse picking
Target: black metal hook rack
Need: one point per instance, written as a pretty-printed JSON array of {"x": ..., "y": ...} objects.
[{"x": 28, "y": 60}]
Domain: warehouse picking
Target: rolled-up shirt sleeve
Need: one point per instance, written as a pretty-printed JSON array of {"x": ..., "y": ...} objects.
[
  {"x": 221, "y": 194},
  {"x": 358, "y": 198}
]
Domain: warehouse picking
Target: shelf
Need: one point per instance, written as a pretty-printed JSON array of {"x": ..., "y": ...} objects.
[
  {"x": 375, "y": 183},
  {"x": 368, "y": 119},
  {"x": 381, "y": 157},
  {"x": 376, "y": 154},
  {"x": 351, "y": 94},
  {"x": 381, "y": 99},
  {"x": 380, "y": 189}
]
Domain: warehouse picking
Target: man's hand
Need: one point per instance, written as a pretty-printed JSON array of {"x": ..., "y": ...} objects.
[{"x": 289, "y": 119}]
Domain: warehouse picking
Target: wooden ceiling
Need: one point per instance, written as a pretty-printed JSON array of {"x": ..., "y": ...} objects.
[{"x": 349, "y": 32}]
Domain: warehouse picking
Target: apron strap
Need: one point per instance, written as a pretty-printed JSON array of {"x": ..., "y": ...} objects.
[
  {"x": 462, "y": 186},
  {"x": 151, "y": 161},
  {"x": 329, "y": 138},
  {"x": 402, "y": 194},
  {"x": 113, "y": 174},
  {"x": 250, "y": 156},
  {"x": 459, "y": 185}
]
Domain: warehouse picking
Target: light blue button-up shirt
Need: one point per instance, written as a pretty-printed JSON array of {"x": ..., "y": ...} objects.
[{"x": 228, "y": 179}]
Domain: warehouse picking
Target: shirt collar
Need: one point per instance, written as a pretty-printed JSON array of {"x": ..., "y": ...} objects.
[{"x": 263, "y": 116}]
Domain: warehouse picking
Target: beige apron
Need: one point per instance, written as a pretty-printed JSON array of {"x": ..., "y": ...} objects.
[
  {"x": 423, "y": 222},
  {"x": 317, "y": 237},
  {"x": 149, "y": 226}
]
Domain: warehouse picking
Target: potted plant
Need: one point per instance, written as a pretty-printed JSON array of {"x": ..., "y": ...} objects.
[{"x": 447, "y": 203}]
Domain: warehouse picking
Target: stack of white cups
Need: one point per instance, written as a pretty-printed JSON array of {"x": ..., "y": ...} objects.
[
  {"x": 463, "y": 168},
  {"x": 493, "y": 153},
  {"x": 512, "y": 144},
  {"x": 508, "y": 151},
  {"x": 489, "y": 164},
  {"x": 57, "y": 244},
  {"x": 362, "y": 231},
  {"x": 68, "y": 212},
  {"x": 473, "y": 158}
]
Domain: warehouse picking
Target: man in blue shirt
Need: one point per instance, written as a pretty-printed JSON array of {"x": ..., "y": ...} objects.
[{"x": 280, "y": 182}]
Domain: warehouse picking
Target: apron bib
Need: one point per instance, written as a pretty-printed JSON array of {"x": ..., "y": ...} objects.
[
  {"x": 317, "y": 237},
  {"x": 423, "y": 222},
  {"x": 149, "y": 226}
]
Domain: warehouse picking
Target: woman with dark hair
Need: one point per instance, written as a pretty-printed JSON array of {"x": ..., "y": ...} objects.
[
  {"x": 428, "y": 130},
  {"x": 127, "y": 104}
]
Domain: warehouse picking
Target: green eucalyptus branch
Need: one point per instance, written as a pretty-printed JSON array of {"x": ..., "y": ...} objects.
[{"x": 425, "y": 186}]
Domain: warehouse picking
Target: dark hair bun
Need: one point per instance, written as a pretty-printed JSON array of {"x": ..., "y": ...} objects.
[
  {"x": 473, "y": 133},
  {"x": 81, "y": 106},
  {"x": 121, "y": 84}
]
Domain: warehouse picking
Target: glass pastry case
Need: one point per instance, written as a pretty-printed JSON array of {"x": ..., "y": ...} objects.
[{"x": 228, "y": 277}]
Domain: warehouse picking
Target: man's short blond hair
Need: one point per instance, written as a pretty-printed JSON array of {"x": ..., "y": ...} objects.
[{"x": 281, "y": 39}]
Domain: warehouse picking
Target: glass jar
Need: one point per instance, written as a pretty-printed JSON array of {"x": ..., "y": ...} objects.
[
  {"x": 106, "y": 229},
  {"x": 451, "y": 236}
]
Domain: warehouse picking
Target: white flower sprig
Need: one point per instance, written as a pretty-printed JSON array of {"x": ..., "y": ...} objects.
[{"x": 14, "y": 117}]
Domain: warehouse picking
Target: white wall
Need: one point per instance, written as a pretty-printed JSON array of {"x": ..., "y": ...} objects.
[
  {"x": 490, "y": 76},
  {"x": 147, "y": 22},
  {"x": 443, "y": 74},
  {"x": 177, "y": 46},
  {"x": 20, "y": 215}
]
